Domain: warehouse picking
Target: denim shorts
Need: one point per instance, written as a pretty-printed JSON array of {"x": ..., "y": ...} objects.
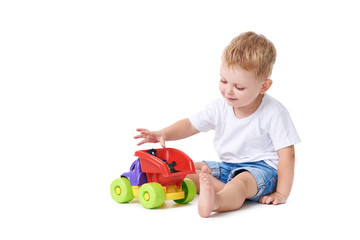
[{"x": 265, "y": 175}]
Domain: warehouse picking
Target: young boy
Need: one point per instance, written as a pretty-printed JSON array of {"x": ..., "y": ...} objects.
[{"x": 254, "y": 134}]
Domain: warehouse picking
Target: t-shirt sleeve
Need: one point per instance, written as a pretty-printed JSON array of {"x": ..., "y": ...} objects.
[
  {"x": 282, "y": 131},
  {"x": 204, "y": 120}
]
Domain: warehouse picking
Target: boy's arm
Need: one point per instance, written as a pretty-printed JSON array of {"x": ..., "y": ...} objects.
[
  {"x": 285, "y": 177},
  {"x": 179, "y": 130}
]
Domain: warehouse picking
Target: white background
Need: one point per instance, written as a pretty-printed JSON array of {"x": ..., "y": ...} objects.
[{"x": 77, "y": 78}]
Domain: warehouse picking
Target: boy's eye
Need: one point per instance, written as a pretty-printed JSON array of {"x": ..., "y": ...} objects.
[
  {"x": 240, "y": 88},
  {"x": 223, "y": 81}
]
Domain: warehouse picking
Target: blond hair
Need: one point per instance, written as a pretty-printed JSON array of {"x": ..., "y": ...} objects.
[{"x": 252, "y": 52}]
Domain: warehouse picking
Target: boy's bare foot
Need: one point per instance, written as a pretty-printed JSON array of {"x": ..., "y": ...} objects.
[{"x": 207, "y": 193}]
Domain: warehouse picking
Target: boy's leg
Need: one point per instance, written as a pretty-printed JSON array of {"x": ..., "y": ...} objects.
[
  {"x": 218, "y": 185},
  {"x": 231, "y": 197}
]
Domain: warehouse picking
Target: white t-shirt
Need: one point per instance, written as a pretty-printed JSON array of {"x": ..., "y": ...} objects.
[{"x": 250, "y": 139}]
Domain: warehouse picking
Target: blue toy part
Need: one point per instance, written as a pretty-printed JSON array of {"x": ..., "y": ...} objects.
[{"x": 136, "y": 176}]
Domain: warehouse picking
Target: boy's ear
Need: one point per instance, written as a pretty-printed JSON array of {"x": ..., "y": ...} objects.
[{"x": 265, "y": 86}]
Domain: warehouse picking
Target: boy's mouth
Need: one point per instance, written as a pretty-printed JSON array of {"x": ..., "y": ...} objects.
[{"x": 231, "y": 99}]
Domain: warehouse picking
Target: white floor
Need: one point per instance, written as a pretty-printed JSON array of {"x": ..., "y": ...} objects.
[{"x": 71, "y": 199}]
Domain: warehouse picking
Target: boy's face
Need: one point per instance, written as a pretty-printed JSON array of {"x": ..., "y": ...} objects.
[{"x": 239, "y": 87}]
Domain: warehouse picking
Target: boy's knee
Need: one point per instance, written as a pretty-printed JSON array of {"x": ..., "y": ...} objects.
[
  {"x": 199, "y": 165},
  {"x": 246, "y": 181}
]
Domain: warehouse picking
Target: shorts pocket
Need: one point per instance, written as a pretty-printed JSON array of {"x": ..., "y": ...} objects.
[{"x": 272, "y": 184}]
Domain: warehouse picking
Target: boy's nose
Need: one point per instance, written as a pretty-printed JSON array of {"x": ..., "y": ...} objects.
[{"x": 229, "y": 91}]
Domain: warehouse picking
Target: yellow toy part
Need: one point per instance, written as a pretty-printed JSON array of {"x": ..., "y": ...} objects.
[{"x": 171, "y": 193}]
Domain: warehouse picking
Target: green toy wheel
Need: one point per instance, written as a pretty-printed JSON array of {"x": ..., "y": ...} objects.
[
  {"x": 121, "y": 191},
  {"x": 188, "y": 186},
  {"x": 151, "y": 195}
]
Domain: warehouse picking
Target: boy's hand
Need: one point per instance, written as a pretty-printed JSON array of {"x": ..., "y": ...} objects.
[
  {"x": 150, "y": 137},
  {"x": 274, "y": 198}
]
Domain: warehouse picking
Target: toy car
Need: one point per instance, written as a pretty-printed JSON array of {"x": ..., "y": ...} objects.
[{"x": 157, "y": 175}]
